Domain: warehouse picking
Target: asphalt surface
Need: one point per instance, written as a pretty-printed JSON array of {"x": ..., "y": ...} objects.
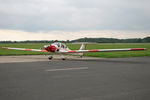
[
  {"x": 35, "y": 58},
  {"x": 104, "y": 79}
]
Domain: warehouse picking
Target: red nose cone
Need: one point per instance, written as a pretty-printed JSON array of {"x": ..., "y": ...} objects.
[{"x": 52, "y": 48}]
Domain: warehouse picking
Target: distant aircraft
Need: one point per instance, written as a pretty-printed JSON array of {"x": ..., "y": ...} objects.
[{"x": 61, "y": 48}]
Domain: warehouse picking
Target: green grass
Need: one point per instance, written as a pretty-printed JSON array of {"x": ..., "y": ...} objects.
[{"x": 77, "y": 46}]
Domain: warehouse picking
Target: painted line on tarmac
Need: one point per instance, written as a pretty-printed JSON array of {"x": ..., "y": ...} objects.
[{"x": 66, "y": 69}]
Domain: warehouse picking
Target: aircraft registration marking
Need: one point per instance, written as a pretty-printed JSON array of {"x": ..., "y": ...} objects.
[{"x": 65, "y": 69}]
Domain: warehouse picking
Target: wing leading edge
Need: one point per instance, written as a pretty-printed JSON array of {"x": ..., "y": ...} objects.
[
  {"x": 24, "y": 49},
  {"x": 81, "y": 51},
  {"x": 105, "y": 50}
]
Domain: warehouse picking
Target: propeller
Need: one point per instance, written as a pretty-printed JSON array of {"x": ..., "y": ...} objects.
[{"x": 51, "y": 48}]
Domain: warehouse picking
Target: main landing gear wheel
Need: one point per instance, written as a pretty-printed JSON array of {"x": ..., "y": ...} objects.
[
  {"x": 63, "y": 58},
  {"x": 50, "y": 57}
]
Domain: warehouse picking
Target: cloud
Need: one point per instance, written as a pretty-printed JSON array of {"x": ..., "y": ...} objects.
[
  {"x": 65, "y": 35},
  {"x": 72, "y": 19},
  {"x": 75, "y": 15}
]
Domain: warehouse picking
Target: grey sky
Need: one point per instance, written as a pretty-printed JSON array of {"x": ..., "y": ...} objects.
[{"x": 75, "y": 15}]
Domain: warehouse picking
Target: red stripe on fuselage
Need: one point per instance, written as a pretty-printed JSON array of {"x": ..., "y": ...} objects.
[
  {"x": 93, "y": 50},
  {"x": 136, "y": 49}
]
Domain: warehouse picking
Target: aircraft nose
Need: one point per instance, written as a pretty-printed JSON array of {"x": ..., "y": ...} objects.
[{"x": 52, "y": 48}]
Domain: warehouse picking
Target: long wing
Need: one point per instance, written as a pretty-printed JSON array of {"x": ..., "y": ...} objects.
[
  {"x": 105, "y": 50},
  {"x": 25, "y": 49}
]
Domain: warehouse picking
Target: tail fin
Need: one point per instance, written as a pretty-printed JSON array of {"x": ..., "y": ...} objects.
[{"x": 83, "y": 46}]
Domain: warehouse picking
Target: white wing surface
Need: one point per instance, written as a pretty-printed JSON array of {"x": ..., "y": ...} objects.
[
  {"x": 25, "y": 49},
  {"x": 105, "y": 50}
]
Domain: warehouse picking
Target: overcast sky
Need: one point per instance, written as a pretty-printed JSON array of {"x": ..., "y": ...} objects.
[{"x": 71, "y": 19}]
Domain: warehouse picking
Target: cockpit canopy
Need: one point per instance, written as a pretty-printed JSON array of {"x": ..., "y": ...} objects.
[
  {"x": 45, "y": 46},
  {"x": 60, "y": 45}
]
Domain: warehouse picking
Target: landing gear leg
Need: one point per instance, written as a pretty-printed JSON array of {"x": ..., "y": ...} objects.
[{"x": 50, "y": 57}]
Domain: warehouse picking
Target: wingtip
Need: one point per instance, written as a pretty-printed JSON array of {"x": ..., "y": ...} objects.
[
  {"x": 4, "y": 47},
  {"x": 138, "y": 49},
  {"x": 145, "y": 49}
]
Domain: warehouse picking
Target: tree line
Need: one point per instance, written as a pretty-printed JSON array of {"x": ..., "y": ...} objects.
[
  {"x": 95, "y": 40},
  {"x": 113, "y": 40}
]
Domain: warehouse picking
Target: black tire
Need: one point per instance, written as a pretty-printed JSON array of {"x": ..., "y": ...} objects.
[
  {"x": 50, "y": 58},
  {"x": 63, "y": 58}
]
